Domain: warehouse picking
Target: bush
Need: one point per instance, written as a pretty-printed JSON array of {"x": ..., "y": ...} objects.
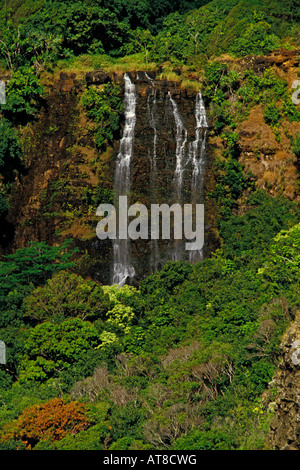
[
  {"x": 10, "y": 151},
  {"x": 104, "y": 106},
  {"x": 24, "y": 93},
  {"x": 272, "y": 114},
  {"x": 296, "y": 146},
  {"x": 256, "y": 40}
]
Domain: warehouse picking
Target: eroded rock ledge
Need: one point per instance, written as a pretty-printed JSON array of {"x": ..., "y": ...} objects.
[{"x": 285, "y": 427}]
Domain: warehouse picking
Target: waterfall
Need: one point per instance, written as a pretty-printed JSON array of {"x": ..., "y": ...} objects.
[
  {"x": 198, "y": 147},
  {"x": 197, "y": 155},
  {"x": 153, "y": 155},
  {"x": 149, "y": 78},
  {"x": 151, "y": 105},
  {"x": 122, "y": 267},
  {"x": 184, "y": 171},
  {"x": 181, "y": 140}
]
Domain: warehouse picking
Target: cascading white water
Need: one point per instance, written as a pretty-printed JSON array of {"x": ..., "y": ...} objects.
[
  {"x": 151, "y": 105},
  {"x": 151, "y": 113},
  {"x": 122, "y": 267},
  {"x": 149, "y": 78},
  {"x": 188, "y": 172},
  {"x": 181, "y": 140},
  {"x": 197, "y": 155},
  {"x": 198, "y": 146}
]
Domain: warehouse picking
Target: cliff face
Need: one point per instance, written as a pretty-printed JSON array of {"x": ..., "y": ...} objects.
[
  {"x": 46, "y": 144},
  {"x": 48, "y": 202},
  {"x": 162, "y": 159},
  {"x": 268, "y": 157},
  {"x": 266, "y": 153},
  {"x": 285, "y": 427}
]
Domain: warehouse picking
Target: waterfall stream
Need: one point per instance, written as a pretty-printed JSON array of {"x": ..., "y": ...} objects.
[
  {"x": 197, "y": 148},
  {"x": 151, "y": 106},
  {"x": 181, "y": 140},
  {"x": 187, "y": 183},
  {"x": 122, "y": 266},
  {"x": 197, "y": 153}
]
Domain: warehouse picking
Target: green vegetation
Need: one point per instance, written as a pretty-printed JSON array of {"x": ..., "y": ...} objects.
[
  {"x": 182, "y": 360},
  {"x": 104, "y": 106},
  {"x": 296, "y": 147},
  {"x": 24, "y": 93},
  {"x": 230, "y": 94},
  {"x": 10, "y": 161},
  {"x": 178, "y": 32},
  {"x": 179, "y": 363}
]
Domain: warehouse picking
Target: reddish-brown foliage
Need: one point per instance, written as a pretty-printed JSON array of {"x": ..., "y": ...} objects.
[{"x": 49, "y": 421}]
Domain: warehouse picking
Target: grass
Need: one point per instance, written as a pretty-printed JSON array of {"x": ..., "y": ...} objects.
[
  {"x": 135, "y": 62},
  {"x": 87, "y": 62}
]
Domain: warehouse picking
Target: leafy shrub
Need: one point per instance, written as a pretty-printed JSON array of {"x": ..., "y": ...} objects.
[
  {"x": 272, "y": 114},
  {"x": 104, "y": 106},
  {"x": 296, "y": 146},
  {"x": 24, "y": 92},
  {"x": 10, "y": 151},
  {"x": 3, "y": 204},
  {"x": 52, "y": 420},
  {"x": 256, "y": 40},
  {"x": 98, "y": 195}
]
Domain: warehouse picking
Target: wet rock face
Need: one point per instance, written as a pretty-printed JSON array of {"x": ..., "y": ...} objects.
[
  {"x": 61, "y": 163},
  {"x": 45, "y": 145},
  {"x": 155, "y": 114},
  {"x": 165, "y": 120},
  {"x": 285, "y": 427}
]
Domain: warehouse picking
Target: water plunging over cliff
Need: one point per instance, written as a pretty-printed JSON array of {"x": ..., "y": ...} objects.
[
  {"x": 181, "y": 140},
  {"x": 122, "y": 267},
  {"x": 161, "y": 159},
  {"x": 197, "y": 152},
  {"x": 151, "y": 108}
]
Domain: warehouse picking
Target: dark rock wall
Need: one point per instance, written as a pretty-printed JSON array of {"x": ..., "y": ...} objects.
[
  {"x": 285, "y": 426},
  {"x": 60, "y": 165},
  {"x": 46, "y": 143},
  {"x": 154, "y": 113}
]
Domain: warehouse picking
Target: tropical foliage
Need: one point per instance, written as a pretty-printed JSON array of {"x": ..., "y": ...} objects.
[{"x": 182, "y": 360}]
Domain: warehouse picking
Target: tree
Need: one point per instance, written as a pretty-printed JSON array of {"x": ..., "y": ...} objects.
[
  {"x": 104, "y": 106},
  {"x": 53, "y": 348},
  {"x": 256, "y": 40},
  {"x": 10, "y": 43},
  {"x": 23, "y": 96},
  {"x": 283, "y": 261},
  {"x": 33, "y": 265},
  {"x": 67, "y": 295},
  {"x": 52, "y": 421},
  {"x": 23, "y": 44}
]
